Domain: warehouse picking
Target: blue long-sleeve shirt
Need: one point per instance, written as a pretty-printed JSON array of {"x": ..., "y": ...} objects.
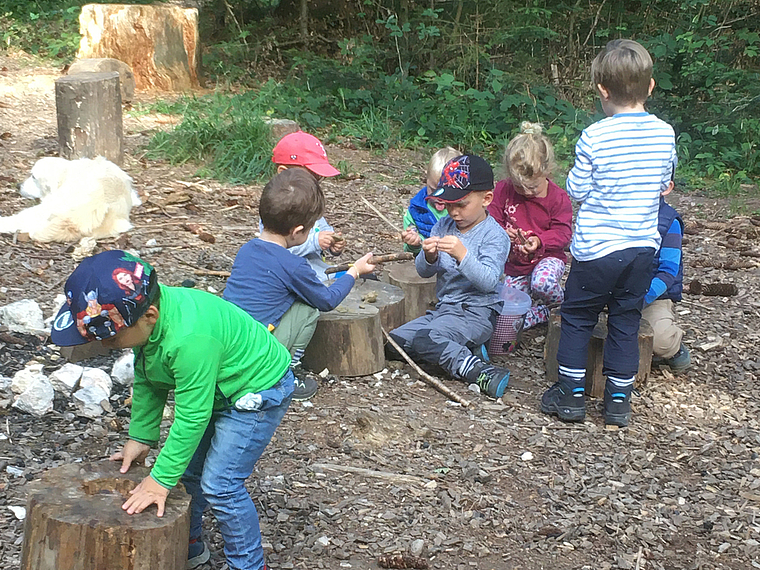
[
  {"x": 667, "y": 270},
  {"x": 473, "y": 280},
  {"x": 266, "y": 280}
]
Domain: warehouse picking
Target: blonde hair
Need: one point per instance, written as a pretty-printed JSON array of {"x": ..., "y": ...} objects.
[
  {"x": 529, "y": 155},
  {"x": 624, "y": 68},
  {"x": 436, "y": 164}
]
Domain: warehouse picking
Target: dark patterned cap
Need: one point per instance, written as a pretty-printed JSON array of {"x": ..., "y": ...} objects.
[
  {"x": 462, "y": 175},
  {"x": 107, "y": 292}
]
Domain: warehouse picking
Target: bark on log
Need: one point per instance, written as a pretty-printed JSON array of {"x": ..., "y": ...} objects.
[
  {"x": 388, "y": 299},
  {"x": 159, "y": 43},
  {"x": 419, "y": 292},
  {"x": 101, "y": 64},
  {"x": 74, "y": 521},
  {"x": 88, "y": 106},
  {"x": 375, "y": 259},
  {"x": 595, "y": 380},
  {"x": 348, "y": 341}
]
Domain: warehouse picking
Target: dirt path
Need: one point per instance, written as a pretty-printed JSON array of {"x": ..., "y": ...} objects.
[{"x": 679, "y": 489}]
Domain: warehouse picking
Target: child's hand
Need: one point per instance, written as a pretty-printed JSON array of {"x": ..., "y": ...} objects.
[
  {"x": 338, "y": 244},
  {"x": 363, "y": 266},
  {"x": 512, "y": 233},
  {"x": 452, "y": 246},
  {"x": 430, "y": 247},
  {"x": 411, "y": 237},
  {"x": 531, "y": 245},
  {"x": 325, "y": 239},
  {"x": 132, "y": 452},
  {"x": 144, "y": 495}
]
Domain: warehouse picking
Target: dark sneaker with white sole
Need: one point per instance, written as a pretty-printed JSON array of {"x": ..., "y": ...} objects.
[
  {"x": 197, "y": 554},
  {"x": 565, "y": 402},
  {"x": 617, "y": 405},
  {"x": 306, "y": 385}
]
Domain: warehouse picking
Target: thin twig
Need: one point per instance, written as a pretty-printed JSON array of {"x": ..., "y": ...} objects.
[
  {"x": 382, "y": 216},
  {"x": 427, "y": 378}
]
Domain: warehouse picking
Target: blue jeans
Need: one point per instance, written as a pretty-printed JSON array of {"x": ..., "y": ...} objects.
[{"x": 233, "y": 442}]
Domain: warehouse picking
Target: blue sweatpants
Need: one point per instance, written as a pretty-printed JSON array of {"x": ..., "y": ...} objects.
[{"x": 618, "y": 281}]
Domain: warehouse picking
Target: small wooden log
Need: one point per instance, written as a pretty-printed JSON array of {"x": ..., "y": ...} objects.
[
  {"x": 74, "y": 521},
  {"x": 595, "y": 380},
  {"x": 419, "y": 292},
  {"x": 348, "y": 341},
  {"x": 388, "y": 299},
  {"x": 88, "y": 106}
]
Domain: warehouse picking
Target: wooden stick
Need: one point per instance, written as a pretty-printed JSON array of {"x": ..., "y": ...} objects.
[
  {"x": 369, "y": 473},
  {"x": 211, "y": 272},
  {"x": 382, "y": 217},
  {"x": 429, "y": 380},
  {"x": 375, "y": 259}
]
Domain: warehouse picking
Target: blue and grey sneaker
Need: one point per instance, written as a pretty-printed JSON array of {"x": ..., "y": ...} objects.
[
  {"x": 492, "y": 380},
  {"x": 197, "y": 553},
  {"x": 566, "y": 402},
  {"x": 679, "y": 362},
  {"x": 482, "y": 353}
]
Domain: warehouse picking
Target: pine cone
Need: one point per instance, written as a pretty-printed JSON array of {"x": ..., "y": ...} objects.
[
  {"x": 713, "y": 289},
  {"x": 402, "y": 561}
]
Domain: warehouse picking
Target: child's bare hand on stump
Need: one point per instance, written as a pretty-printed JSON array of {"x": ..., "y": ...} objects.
[
  {"x": 453, "y": 246},
  {"x": 144, "y": 495},
  {"x": 132, "y": 452}
]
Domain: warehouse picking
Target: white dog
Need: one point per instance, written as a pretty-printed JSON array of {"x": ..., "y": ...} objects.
[{"x": 81, "y": 198}]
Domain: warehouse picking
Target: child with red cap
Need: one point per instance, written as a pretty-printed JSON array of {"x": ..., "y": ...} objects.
[{"x": 306, "y": 151}]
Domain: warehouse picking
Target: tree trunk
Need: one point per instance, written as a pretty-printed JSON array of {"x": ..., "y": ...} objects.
[
  {"x": 159, "y": 43},
  {"x": 348, "y": 341},
  {"x": 303, "y": 21},
  {"x": 74, "y": 521},
  {"x": 595, "y": 380},
  {"x": 88, "y": 106},
  {"x": 388, "y": 300},
  {"x": 419, "y": 292}
]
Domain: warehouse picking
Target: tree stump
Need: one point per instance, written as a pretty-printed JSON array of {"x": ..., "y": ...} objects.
[
  {"x": 419, "y": 292},
  {"x": 159, "y": 43},
  {"x": 348, "y": 341},
  {"x": 595, "y": 380},
  {"x": 74, "y": 521},
  {"x": 387, "y": 298},
  {"x": 88, "y": 106},
  {"x": 100, "y": 64}
]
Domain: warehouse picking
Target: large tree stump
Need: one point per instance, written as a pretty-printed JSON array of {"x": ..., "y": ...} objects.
[
  {"x": 595, "y": 380},
  {"x": 100, "y": 64},
  {"x": 88, "y": 106},
  {"x": 387, "y": 298},
  {"x": 419, "y": 292},
  {"x": 159, "y": 43},
  {"x": 348, "y": 341},
  {"x": 74, "y": 521}
]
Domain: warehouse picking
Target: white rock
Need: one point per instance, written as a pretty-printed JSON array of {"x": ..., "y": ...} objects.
[
  {"x": 18, "y": 512},
  {"x": 15, "y": 471},
  {"x": 65, "y": 379},
  {"x": 323, "y": 540},
  {"x": 24, "y": 316},
  {"x": 168, "y": 413},
  {"x": 417, "y": 547},
  {"x": 527, "y": 456},
  {"x": 5, "y": 384},
  {"x": 151, "y": 242},
  {"x": 96, "y": 377},
  {"x": 37, "y": 399},
  {"x": 24, "y": 378},
  {"x": 123, "y": 371},
  {"x": 87, "y": 400}
]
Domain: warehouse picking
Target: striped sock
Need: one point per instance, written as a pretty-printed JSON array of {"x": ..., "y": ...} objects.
[
  {"x": 620, "y": 388},
  {"x": 296, "y": 359},
  {"x": 467, "y": 365},
  {"x": 575, "y": 378}
]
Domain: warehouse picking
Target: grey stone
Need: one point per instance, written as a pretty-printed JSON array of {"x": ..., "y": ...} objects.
[
  {"x": 24, "y": 316},
  {"x": 37, "y": 399},
  {"x": 88, "y": 398},
  {"x": 96, "y": 377},
  {"x": 26, "y": 376},
  {"x": 123, "y": 371},
  {"x": 66, "y": 378}
]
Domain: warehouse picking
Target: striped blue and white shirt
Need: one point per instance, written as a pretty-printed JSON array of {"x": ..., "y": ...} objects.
[{"x": 622, "y": 163}]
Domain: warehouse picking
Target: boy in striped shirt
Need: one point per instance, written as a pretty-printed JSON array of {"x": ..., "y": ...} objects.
[{"x": 623, "y": 163}]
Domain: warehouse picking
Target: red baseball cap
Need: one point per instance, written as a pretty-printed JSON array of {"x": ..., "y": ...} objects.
[{"x": 303, "y": 149}]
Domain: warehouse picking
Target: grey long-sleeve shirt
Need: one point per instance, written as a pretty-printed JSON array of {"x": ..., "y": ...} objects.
[
  {"x": 310, "y": 249},
  {"x": 473, "y": 281}
]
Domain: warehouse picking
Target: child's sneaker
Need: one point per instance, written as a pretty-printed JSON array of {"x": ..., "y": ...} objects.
[
  {"x": 305, "y": 385},
  {"x": 492, "y": 380},
  {"x": 679, "y": 362},
  {"x": 565, "y": 402},
  {"x": 197, "y": 553},
  {"x": 617, "y": 405}
]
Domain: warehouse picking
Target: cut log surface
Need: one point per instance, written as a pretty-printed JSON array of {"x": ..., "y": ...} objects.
[
  {"x": 75, "y": 521},
  {"x": 159, "y": 43},
  {"x": 88, "y": 106},
  {"x": 387, "y": 298},
  {"x": 419, "y": 292},
  {"x": 595, "y": 379},
  {"x": 348, "y": 341},
  {"x": 100, "y": 64}
]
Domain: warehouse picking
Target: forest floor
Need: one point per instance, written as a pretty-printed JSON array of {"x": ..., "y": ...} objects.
[{"x": 678, "y": 489}]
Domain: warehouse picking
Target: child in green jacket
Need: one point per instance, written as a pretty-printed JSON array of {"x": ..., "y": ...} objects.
[{"x": 232, "y": 386}]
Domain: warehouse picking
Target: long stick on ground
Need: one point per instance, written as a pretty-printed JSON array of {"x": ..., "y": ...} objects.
[
  {"x": 379, "y": 213},
  {"x": 375, "y": 259},
  {"x": 427, "y": 378},
  {"x": 397, "y": 477}
]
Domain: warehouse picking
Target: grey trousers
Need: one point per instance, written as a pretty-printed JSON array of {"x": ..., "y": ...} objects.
[
  {"x": 297, "y": 326},
  {"x": 446, "y": 335}
]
